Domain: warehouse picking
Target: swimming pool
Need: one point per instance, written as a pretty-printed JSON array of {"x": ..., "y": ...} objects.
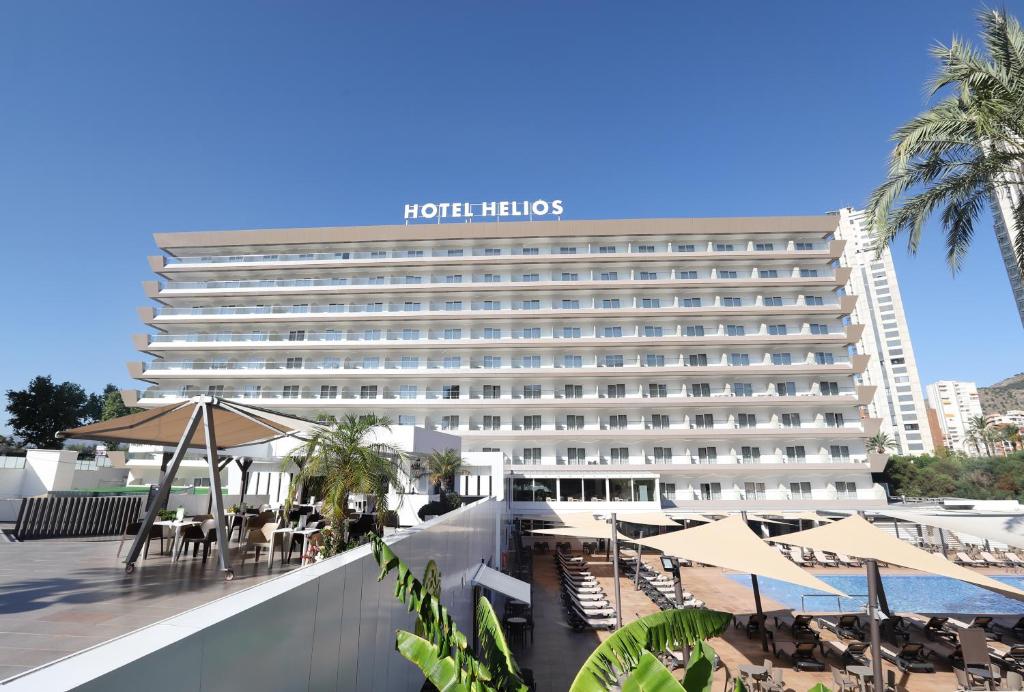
[{"x": 906, "y": 593}]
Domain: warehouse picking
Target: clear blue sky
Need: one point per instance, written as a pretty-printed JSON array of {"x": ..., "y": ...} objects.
[{"x": 121, "y": 119}]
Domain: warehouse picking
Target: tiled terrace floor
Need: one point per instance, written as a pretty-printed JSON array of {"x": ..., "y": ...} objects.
[
  {"x": 58, "y": 596},
  {"x": 557, "y": 652}
]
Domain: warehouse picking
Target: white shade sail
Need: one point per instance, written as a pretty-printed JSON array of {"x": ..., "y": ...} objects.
[
  {"x": 730, "y": 544},
  {"x": 653, "y": 518},
  {"x": 492, "y": 579},
  {"x": 597, "y": 530},
  {"x": 1007, "y": 529},
  {"x": 856, "y": 536}
]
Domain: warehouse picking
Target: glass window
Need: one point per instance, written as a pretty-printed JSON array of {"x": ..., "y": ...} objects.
[
  {"x": 764, "y": 247},
  {"x": 782, "y": 359},
  {"x": 686, "y": 274},
  {"x": 407, "y": 391},
  {"x": 703, "y": 420},
  {"x": 616, "y": 391},
  {"x": 571, "y": 332},
  {"x": 449, "y": 422},
  {"x": 739, "y": 359},
  {"x": 795, "y": 455},
  {"x": 368, "y": 391},
  {"x": 650, "y": 330},
  {"x": 450, "y": 391},
  {"x": 668, "y": 491},
  {"x": 406, "y": 420},
  {"x": 777, "y": 330},
  {"x": 620, "y": 489},
  {"x": 695, "y": 331},
  {"x": 328, "y": 391},
  {"x": 773, "y": 301},
  {"x": 619, "y": 455},
  {"x": 801, "y": 491},
  {"x": 696, "y": 360},
  {"x": 735, "y": 330},
  {"x": 657, "y": 390},
  {"x": 824, "y": 358},
  {"x": 746, "y": 420},
  {"x": 768, "y": 273},
  {"x": 594, "y": 489},
  {"x": 789, "y": 420},
  {"x": 814, "y": 300},
  {"x": 613, "y": 331},
  {"x": 686, "y": 247},
  {"x": 570, "y": 489},
  {"x": 750, "y": 455},
  {"x": 707, "y": 455},
  {"x": 573, "y": 391},
  {"x": 531, "y": 391},
  {"x": 700, "y": 389},
  {"x": 785, "y": 388},
  {"x": 753, "y": 491},
  {"x": 572, "y": 361},
  {"x": 613, "y": 361},
  {"x": 492, "y": 391},
  {"x": 691, "y": 302},
  {"x": 732, "y": 302},
  {"x": 643, "y": 489},
  {"x": 531, "y": 422},
  {"x": 742, "y": 389},
  {"x": 576, "y": 455}
]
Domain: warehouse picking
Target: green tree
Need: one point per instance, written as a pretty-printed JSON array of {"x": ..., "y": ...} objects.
[
  {"x": 963, "y": 151},
  {"x": 442, "y": 467},
  {"x": 979, "y": 433},
  {"x": 345, "y": 457},
  {"x": 881, "y": 443},
  {"x": 44, "y": 408},
  {"x": 113, "y": 404}
]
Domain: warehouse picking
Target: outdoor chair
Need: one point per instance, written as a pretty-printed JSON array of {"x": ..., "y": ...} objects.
[
  {"x": 133, "y": 528},
  {"x": 974, "y": 649},
  {"x": 773, "y": 681},
  {"x": 204, "y": 535},
  {"x": 751, "y": 624},
  {"x": 843, "y": 682},
  {"x": 258, "y": 539}
]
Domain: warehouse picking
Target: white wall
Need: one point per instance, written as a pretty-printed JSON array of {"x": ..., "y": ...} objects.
[{"x": 330, "y": 626}]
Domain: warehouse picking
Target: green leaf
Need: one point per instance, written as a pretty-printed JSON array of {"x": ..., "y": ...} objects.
[
  {"x": 668, "y": 630},
  {"x": 820, "y": 687},
  {"x": 700, "y": 672},
  {"x": 441, "y": 671},
  {"x": 738, "y": 685},
  {"x": 651, "y": 676},
  {"x": 494, "y": 651}
]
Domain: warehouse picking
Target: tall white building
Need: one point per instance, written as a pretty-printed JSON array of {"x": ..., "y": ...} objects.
[
  {"x": 1006, "y": 236},
  {"x": 955, "y": 403},
  {"x": 899, "y": 399},
  {"x": 691, "y": 363}
]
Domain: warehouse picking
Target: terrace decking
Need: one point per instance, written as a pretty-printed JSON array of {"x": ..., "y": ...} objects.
[{"x": 59, "y": 596}]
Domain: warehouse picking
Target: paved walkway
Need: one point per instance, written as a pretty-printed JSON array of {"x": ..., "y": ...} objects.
[{"x": 59, "y": 596}]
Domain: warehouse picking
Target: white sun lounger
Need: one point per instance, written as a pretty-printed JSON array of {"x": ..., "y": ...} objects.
[
  {"x": 797, "y": 556},
  {"x": 1014, "y": 560},
  {"x": 824, "y": 560},
  {"x": 847, "y": 560},
  {"x": 965, "y": 559},
  {"x": 992, "y": 559}
]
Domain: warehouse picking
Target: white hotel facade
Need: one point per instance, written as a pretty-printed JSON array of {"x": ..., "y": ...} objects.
[{"x": 703, "y": 364}]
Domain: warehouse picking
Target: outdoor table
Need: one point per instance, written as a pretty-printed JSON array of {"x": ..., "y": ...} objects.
[
  {"x": 290, "y": 532},
  {"x": 516, "y": 628},
  {"x": 754, "y": 671},
  {"x": 177, "y": 526},
  {"x": 864, "y": 675}
]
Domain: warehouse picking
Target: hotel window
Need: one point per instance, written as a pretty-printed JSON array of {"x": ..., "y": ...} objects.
[
  {"x": 571, "y": 361},
  {"x": 648, "y": 276},
  {"x": 768, "y": 273},
  {"x": 491, "y": 305},
  {"x": 368, "y": 391},
  {"x": 452, "y": 333},
  {"x": 407, "y": 391},
  {"x": 299, "y": 307},
  {"x": 650, "y": 330},
  {"x": 453, "y": 279},
  {"x": 332, "y": 335},
  {"x": 290, "y": 391},
  {"x": 620, "y": 455},
  {"x": 824, "y": 358},
  {"x": 663, "y": 455},
  {"x": 574, "y": 422},
  {"x": 609, "y": 276},
  {"x": 531, "y": 422},
  {"x": 215, "y": 390},
  {"x": 573, "y": 391},
  {"x": 789, "y": 420},
  {"x": 800, "y": 491},
  {"x": 732, "y": 302},
  {"x": 777, "y": 330},
  {"x": 795, "y": 455},
  {"x": 834, "y": 420},
  {"x": 727, "y": 274},
  {"x": 491, "y": 278},
  {"x": 659, "y": 421},
  {"x": 297, "y": 335},
  {"x": 814, "y": 300},
  {"x": 371, "y": 362},
  {"x": 491, "y": 251},
  {"x": 739, "y": 359},
  {"x": 449, "y": 391},
  {"x": 702, "y": 389},
  {"x": 455, "y": 253},
  {"x": 576, "y": 455},
  {"x": 410, "y": 306},
  {"x": 292, "y": 363},
  {"x": 691, "y": 302},
  {"x": 529, "y": 333},
  {"x": 803, "y": 246},
  {"x": 492, "y": 361},
  {"x": 829, "y": 388},
  {"x": 529, "y": 305},
  {"x": 449, "y": 422},
  {"x": 613, "y": 331},
  {"x": 373, "y": 307},
  {"x": 410, "y": 334},
  {"x": 617, "y": 422},
  {"x": 530, "y": 277},
  {"x": 773, "y": 301},
  {"x": 750, "y": 455},
  {"x": 451, "y": 362},
  {"x": 657, "y": 391},
  {"x": 764, "y": 247},
  {"x": 808, "y": 273},
  {"x": 735, "y": 330},
  {"x": 616, "y": 391},
  {"x": 406, "y": 420},
  {"x": 846, "y": 490},
  {"x": 695, "y": 331},
  {"x": 654, "y": 360},
  {"x": 742, "y": 389},
  {"x": 711, "y": 491},
  {"x": 453, "y": 305},
  {"x": 746, "y": 420},
  {"x": 686, "y": 247},
  {"x": 489, "y": 333},
  {"x": 686, "y": 274},
  {"x": 410, "y": 362},
  {"x": 531, "y": 391},
  {"x": 252, "y": 391},
  {"x": 492, "y": 391},
  {"x": 724, "y": 247},
  {"x": 613, "y": 361},
  {"x": 645, "y": 248},
  {"x": 328, "y": 391},
  {"x": 839, "y": 452},
  {"x": 376, "y": 280},
  {"x": 531, "y": 250},
  {"x": 531, "y": 455},
  {"x": 650, "y": 302},
  {"x": 610, "y": 303},
  {"x": 571, "y": 332},
  {"x": 529, "y": 362},
  {"x": 782, "y": 359},
  {"x": 704, "y": 420},
  {"x": 414, "y": 279},
  {"x": 570, "y": 276},
  {"x": 753, "y": 491},
  {"x": 785, "y": 388},
  {"x": 567, "y": 250},
  {"x": 819, "y": 329},
  {"x": 330, "y": 363},
  {"x": 707, "y": 455},
  {"x": 568, "y": 304},
  {"x": 607, "y": 249},
  {"x": 668, "y": 490}
]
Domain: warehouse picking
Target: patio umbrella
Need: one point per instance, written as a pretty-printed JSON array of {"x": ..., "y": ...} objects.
[{"x": 224, "y": 425}]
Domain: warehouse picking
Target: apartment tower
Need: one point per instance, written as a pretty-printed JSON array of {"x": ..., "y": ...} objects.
[{"x": 956, "y": 403}]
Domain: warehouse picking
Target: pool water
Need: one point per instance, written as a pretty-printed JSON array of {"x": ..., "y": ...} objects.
[{"x": 905, "y": 593}]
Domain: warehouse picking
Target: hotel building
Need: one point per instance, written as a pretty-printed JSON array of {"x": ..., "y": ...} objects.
[
  {"x": 899, "y": 399},
  {"x": 1006, "y": 196},
  {"x": 956, "y": 403},
  {"x": 690, "y": 363}
]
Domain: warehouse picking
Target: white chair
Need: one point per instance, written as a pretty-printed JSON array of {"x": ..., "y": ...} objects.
[{"x": 258, "y": 539}]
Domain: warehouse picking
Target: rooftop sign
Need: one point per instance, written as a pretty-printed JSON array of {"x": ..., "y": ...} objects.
[{"x": 482, "y": 210}]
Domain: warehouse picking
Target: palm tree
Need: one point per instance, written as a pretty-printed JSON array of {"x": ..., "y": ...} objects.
[
  {"x": 1010, "y": 433},
  {"x": 979, "y": 433},
  {"x": 963, "y": 151},
  {"x": 880, "y": 443},
  {"x": 443, "y": 466},
  {"x": 347, "y": 457}
]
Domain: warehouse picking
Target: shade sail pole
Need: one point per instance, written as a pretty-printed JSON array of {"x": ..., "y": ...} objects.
[
  {"x": 639, "y": 561},
  {"x": 876, "y": 642},
  {"x": 757, "y": 601},
  {"x": 163, "y": 492},
  {"x": 615, "y": 572},
  {"x": 215, "y": 492}
]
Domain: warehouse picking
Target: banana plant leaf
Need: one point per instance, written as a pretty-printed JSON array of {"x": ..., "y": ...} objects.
[
  {"x": 442, "y": 671},
  {"x": 651, "y": 676},
  {"x": 495, "y": 654},
  {"x": 700, "y": 672}
]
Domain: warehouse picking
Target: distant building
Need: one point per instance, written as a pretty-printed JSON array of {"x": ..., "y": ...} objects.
[
  {"x": 899, "y": 399},
  {"x": 935, "y": 428},
  {"x": 956, "y": 403},
  {"x": 1006, "y": 232},
  {"x": 1014, "y": 418}
]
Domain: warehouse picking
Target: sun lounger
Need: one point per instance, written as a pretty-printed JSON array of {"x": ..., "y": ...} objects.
[
  {"x": 1014, "y": 631},
  {"x": 580, "y": 621},
  {"x": 797, "y": 556},
  {"x": 909, "y": 658},
  {"x": 848, "y": 561},
  {"x": 824, "y": 560},
  {"x": 801, "y": 653},
  {"x": 967, "y": 561},
  {"x": 846, "y": 626},
  {"x": 752, "y": 624},
  {"x": 1013, "y": 559},
  {"x": 851, "y": 652},
  {"x": 992, "y": 560},
  {"x": 983, "y": 622}
]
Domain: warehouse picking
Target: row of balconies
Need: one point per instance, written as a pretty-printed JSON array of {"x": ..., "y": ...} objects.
[
  {"x": 602, "y": 249},
  {"x": 693, "y": 465}
]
